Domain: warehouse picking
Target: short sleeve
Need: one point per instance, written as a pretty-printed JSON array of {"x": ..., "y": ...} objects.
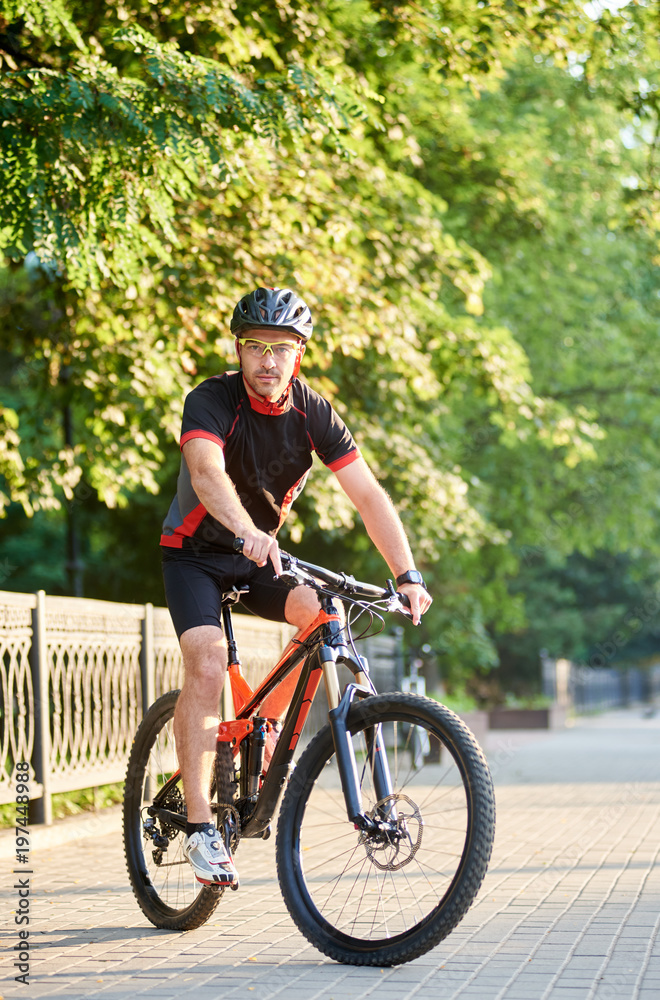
[
  {"x": 331, "y": 439},
  {"x": 207, "y": 413}
]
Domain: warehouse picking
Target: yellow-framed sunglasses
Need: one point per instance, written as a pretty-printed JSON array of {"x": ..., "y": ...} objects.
[{"x": 281, "y": 349}]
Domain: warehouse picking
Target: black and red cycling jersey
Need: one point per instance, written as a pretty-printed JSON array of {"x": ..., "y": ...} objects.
[{"x": 268, "y": 454}]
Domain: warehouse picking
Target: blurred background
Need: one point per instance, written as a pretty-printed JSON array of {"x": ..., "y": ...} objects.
[{"x": 467, "y": 195}]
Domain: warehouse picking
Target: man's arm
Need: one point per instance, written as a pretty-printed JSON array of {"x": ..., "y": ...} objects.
[
  {"x": 384, "y": 528},
  {"x": 217, "y": 492}
]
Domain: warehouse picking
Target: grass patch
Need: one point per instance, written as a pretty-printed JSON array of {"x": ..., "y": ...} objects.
[
  {"x": 458, "y": 701},
  {"x": 72, "y": 803}
]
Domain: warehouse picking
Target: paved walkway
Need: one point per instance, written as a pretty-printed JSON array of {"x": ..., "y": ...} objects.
[{"x": 570, "y": 909}]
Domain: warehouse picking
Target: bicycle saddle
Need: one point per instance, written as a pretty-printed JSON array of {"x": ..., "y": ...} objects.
[{"x": 234, "y": 595}]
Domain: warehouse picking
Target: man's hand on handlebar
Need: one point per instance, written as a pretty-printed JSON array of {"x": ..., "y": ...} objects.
[
  {"x": 260, "y": 547},
  {"x": 419, "y": 597}
]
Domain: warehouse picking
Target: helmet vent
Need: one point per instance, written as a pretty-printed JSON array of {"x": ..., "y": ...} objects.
[{"x": 273, "y": 307}]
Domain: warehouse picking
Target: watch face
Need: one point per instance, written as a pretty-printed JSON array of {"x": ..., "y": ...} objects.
[{"x": 412, "y": 576}]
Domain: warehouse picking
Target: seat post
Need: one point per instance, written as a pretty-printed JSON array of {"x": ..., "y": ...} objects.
[
  {"x": 232, "y": 649},
  {"x": 236, "y": 692},
  {"x": 232, "y": 659}
]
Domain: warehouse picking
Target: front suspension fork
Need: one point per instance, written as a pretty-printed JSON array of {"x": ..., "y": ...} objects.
[{"x": 344, "y": 751}]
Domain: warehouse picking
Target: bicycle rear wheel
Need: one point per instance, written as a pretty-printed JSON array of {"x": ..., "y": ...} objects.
[
  {"x": 163, "y": 882},
  {"x": 367, "y": 902}
]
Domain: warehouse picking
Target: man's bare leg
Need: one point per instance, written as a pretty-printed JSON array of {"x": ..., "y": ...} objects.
[
  {"x": 196, "y": 717},
  {"x": 302, "y": 606}
]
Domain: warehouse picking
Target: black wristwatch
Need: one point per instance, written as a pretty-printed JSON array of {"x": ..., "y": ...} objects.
[{"x": 411, "y": 576}]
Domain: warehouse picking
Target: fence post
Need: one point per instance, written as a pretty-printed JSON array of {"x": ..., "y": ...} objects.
[
  {"x": 548, "y": 674},
  {"x": 148, "y": 659},
  {"x": 41, "y": 810}
]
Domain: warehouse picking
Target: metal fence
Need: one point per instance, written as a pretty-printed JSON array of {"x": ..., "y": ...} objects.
[
  {"x": 589, "y": 689},
  {"x": 76, "y": 674}
]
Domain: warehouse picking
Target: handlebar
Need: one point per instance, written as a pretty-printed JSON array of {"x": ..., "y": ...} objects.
[{"x": 342, "y": 583}]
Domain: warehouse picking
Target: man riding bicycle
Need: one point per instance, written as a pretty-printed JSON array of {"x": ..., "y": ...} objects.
[{"x": 247, "y": 441}]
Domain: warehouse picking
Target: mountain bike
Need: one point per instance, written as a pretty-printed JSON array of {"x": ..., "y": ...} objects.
[{"x": 381, "y": 848}]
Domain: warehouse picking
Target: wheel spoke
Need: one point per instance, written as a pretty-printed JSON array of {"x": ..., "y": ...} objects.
[
  {"x": 394, "y": 886},
  {"x": 162, "y": 879}
]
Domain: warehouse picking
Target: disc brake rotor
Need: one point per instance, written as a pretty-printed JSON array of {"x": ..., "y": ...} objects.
[{"x": 402, "y": 837}]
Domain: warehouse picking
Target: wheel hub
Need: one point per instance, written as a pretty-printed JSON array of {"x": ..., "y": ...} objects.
[{"x": 399, "y": 837}]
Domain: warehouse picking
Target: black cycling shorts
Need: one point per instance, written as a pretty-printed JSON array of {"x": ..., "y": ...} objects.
[{"x": 195, "y": 583}]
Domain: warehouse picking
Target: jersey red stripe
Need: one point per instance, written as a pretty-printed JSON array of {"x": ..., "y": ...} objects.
[
  {"x": 346, "y": 460},
  {"x": 189, "y": 435},
  {"x": 186, "y": 529}
]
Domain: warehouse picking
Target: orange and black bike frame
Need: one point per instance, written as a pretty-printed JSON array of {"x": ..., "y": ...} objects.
[{"x": 311, "y": 656}]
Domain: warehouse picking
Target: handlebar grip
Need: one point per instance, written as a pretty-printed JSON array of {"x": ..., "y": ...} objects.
[
  {"x": 238, "y": 544},
  {"x": 405, "y": 600}
]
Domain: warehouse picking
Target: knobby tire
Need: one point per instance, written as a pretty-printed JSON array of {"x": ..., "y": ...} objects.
[
  {"x": 168, "y": 893},
  {"x": 364, "y": 902}
]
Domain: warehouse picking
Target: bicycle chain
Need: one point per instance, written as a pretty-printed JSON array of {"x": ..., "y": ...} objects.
[{"x": 226, "y": 813}]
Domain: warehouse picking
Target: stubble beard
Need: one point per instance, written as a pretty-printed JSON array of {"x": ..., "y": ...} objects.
[{"x": 268, "y": 390}]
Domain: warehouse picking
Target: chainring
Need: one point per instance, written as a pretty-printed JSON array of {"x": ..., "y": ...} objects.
[{"x": 229, "y": 825}]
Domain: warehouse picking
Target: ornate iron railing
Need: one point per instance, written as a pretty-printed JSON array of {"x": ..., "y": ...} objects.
[
  {"x": 16, "y": 690},
  {"x": 74, "y": 677},
  {"x": 583, "y": 688}
]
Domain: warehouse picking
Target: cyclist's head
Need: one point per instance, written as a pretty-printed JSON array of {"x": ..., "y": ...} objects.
[
  {"x": 276, "y": 309},
  {"x": 279, "y": 308}
]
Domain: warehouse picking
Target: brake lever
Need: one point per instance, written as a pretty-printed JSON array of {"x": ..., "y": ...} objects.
[
  {"x": 397, "y": 602},
  {"x": 294, "y": 573}
]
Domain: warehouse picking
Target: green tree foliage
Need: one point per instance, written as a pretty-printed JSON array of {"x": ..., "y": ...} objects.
[
  {"x": 576, "y": 282},
  {"x": 110, "y": 129},
  {"x": 459, "y": 191}
]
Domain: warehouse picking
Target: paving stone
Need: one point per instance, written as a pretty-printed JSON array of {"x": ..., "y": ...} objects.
[{"x": 569, "y": 903}]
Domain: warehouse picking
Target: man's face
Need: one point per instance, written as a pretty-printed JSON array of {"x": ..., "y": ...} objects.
[{"x": 268, "y": 374}]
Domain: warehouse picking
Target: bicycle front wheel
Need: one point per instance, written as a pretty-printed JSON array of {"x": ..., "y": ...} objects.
[
  {"x": 374, "y": 901},
  {"x": 161, "y": 877}
]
